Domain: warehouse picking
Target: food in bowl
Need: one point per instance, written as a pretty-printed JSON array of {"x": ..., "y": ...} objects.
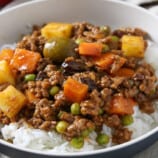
[{"x": 77, "y": 87}]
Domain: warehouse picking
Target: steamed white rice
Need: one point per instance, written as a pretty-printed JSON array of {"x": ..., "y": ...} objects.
[
  {"x": 27, "y": 137},
  {"x": 53, "y": 142}
]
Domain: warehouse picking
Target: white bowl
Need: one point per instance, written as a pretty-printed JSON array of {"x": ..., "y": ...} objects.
[{"x": 15, "y": 22}]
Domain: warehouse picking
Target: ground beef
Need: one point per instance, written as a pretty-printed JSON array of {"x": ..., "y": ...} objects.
[
  {"x": 35, "y": 122},
  {"x": 87, "y": 60},
  {"x": 117, "y": 64},
  {"x": 106, "y": 93},
  {"x": 44, "y": 110},
  {"x": 88, "y": 32},
  {"x": 147, "y": 79},
  {"x": 78, "y": 126},
  {"x": 27, "y": 111},
  {"x": 40, "y": 124},
  {"x": 147, "y": 107},
  {"x": 92, "y": 105},
  {"x": 105, "y": 81},
  {"x": 3, "y": 118},
  {"x": 112, "y": 44},
  {"x": 132, "y": 62},
  {"x": 130, "y": 31},
  {"x": 42, "y": 64},
  {"x": 41, "y": 75},
  {"x": 48, "y": 125},
  {"x": 55, "y": 76},
  {"x": 65, "y": 116},
  {"x": 154, "y": 94},
  {"x": 39, "y": 88},
  {"x": 44, "y": 115},
  {"x": 121, "y": 135},
  {"x": 88, "y": 107},
  {"x": 88, "y": 74},
  {"x": 113, "y": 121},
  {"x": 34, "y": 42},
  {"x": 60, "y": 102},
  {"x": 98, "y": 121},
  {"x": 131, "y": 92},
  {"x": 116, "y": 82}
]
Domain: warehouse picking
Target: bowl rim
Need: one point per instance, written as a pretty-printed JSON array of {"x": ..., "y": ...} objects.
[{"x": 82, "y": 153}]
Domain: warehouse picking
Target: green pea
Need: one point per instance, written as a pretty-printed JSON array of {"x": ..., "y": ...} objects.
[
  {"x": 54, "y": 90},
  {"x": 85, "y": 133},
  {"x": 79, "y": 41},
  {"x": 60, "y": 114},
  {"x": 102, "y": 139},
  {"x": 114, "y": 38},
  {"x": 75, "y": 108},
  {"x": 91, "y": 129},
  {"x": 61, "y": 126},
  {"x": 127, "y": 120},
  {"x": 105, "y": 48},
  {"x": 101, "y": 111},
  {"x": 77, "y": 142},
  {"x": 29, "y": 77}
]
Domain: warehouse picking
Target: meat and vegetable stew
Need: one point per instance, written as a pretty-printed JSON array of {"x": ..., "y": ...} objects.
[{"x": 75, "y": 78}]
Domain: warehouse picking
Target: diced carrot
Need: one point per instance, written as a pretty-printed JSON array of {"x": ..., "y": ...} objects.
[
  {"x": 25, "y": 60},
  {"x": 105, "y": 60},
  {"x": 6, "y": 54},
  {"x": 121, "y": 61},
  {"x": 90, "y": 49},
  {"x": 124, "y": 72},
  {"x": 75, "y": 91},
  {"x": 122, "y": 106},
  {"x": 30, "y": 96}
]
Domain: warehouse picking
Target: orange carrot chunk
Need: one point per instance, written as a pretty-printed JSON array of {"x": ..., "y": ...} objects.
[
  {"x": 75, "y": 91},
  {"x": 90, "y": 49},
  {"x": 30, "y": 96},
  {"x": 6, "y": 54},
  {"x": 122, "y": 106},
  {"x": 25, "y": 60},
  {"x": 105, "y": 60},
  {"x": 124, "y": 72}
]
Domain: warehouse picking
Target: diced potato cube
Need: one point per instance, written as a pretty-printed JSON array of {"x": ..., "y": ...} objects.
[
  {"x": 133, "y": 46},
  {"x": 11, "y": 101},
  {"x": 5, "y": 73},
  {"x": 56, "y": 30}
]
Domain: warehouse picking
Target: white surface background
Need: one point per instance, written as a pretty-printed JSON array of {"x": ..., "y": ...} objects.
[{"x": 152, "y": 151}]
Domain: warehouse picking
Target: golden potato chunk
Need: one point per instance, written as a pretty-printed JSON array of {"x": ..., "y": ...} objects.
[
  {"x": 11, "y": 101},
  {"x": 5, "y": 73},
  {"x": 133, "y": 46},
  {"x": 56, "y": 30}
]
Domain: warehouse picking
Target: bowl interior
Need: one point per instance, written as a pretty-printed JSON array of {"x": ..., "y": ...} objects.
[{"x": 18, "y": 21}]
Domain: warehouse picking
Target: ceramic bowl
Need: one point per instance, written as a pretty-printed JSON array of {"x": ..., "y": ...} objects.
[{"x": 16, "y": 21}]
